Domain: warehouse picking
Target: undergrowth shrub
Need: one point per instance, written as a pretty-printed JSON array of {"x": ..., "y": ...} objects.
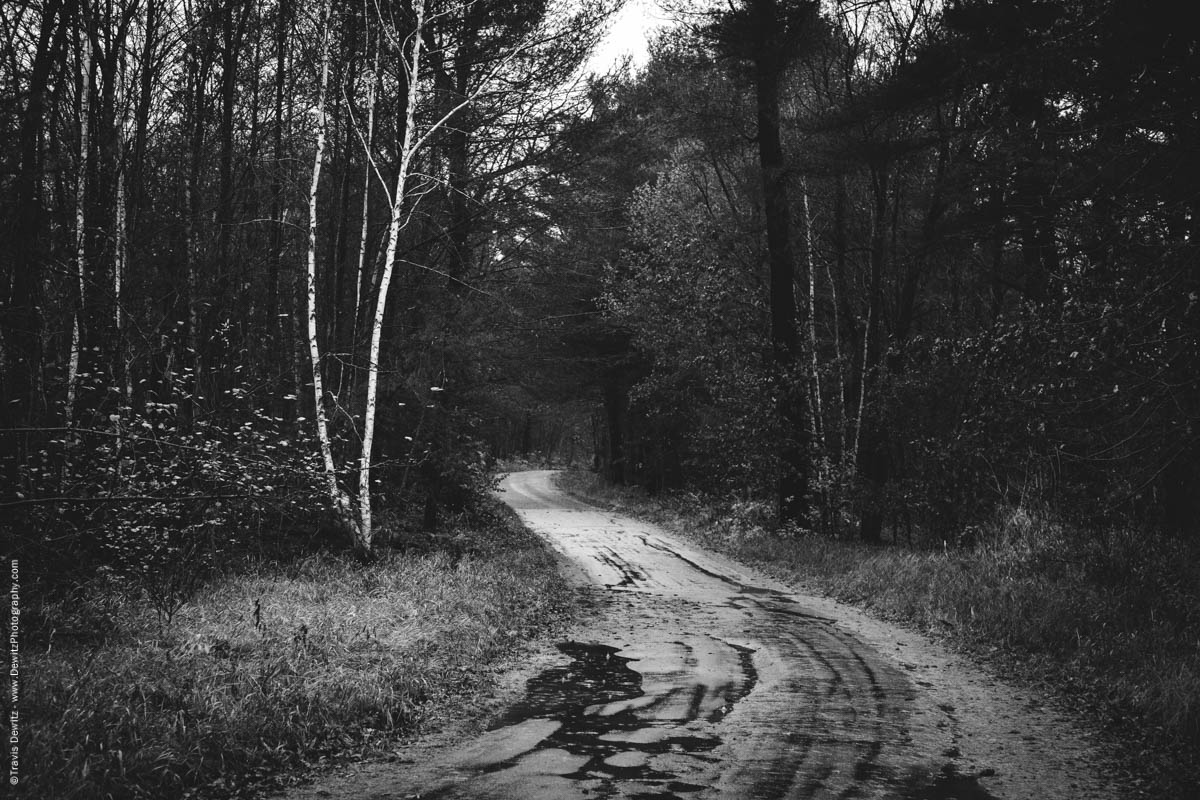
[{"x": 157, "y": 500}]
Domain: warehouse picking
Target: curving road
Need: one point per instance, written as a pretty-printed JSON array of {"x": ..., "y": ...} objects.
[
  {"x": 699, "y": 679},
  {"x": 703, "y": 682}
]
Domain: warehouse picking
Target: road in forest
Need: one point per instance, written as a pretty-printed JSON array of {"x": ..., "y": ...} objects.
[{"x": 697, "y": 678}]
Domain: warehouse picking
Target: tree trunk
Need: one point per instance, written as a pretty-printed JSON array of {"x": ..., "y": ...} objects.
[
  {"x": 141, "y": 125},
  {"x": 793, "y": 483},
  {"x": 843, "y": 332},
  {"x": 396, "y": 222},
  {"x": 368, "y": 169},
  {"x": 817, "y": 426},
  {"x": 873, "y": 441},
  {"x": 616, "y": 410},
  {"x": 234, "y": 19},
  {"x": 73, "y": 359},
  {"x": 201, "y": 63},
  {"x": 337, "y": 498},
  {"x": 120, "y": 265},
  {"x": 20, "y": 313},
  {"x": 410, "y": 143},
  {"x": 277, "y": 330}
]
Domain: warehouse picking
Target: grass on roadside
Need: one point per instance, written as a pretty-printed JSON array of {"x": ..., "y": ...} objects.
[
  {"x": 1114, "y": 620},
  {"x": 275, "y": 667}
]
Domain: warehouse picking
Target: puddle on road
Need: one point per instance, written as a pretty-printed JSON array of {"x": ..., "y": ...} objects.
[
  {"x": 949, "y": 784},
  {"x": 615, "y": 747},
  {"x": 596, "y": 674}
]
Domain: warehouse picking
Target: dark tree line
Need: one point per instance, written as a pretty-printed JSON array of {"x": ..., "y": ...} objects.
[{"x": 984, "y": 213}]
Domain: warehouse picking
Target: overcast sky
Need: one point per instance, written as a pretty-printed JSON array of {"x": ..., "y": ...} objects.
[{"x": 628, "y": 35}]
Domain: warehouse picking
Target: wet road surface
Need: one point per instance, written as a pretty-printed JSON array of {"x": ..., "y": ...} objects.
[
  {"x": 696, "y": 678},
  {"x": 699, "y": 682}
]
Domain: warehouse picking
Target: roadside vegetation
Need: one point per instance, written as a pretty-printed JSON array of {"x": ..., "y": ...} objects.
[
  {"x": 1111, "y": 622},
  {"x": 276, "y": 665}
]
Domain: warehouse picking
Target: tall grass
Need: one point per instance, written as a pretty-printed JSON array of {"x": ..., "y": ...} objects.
[
  {"x": 273, "y": 667},
  {"x": 1111, "y": 620}
]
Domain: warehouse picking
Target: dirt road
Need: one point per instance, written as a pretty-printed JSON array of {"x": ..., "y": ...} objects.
[{"x": 699, "y": 679}]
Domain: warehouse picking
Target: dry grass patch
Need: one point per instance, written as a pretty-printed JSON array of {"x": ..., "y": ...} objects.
[{"x": 272, "y": 668}]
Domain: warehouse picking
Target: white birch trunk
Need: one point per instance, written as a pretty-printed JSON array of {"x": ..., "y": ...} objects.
[
  {"x": 85, "y": 72},
  {"x": 120, "y": 248},
  {"x": 121, "y": 254},
  {"x": 818, "y": 426},
  {"x": 413, "y": 67},
  {"x": 412, "y": 142},
  {"x": 121, "y": 361},
  {"x": 338, "y": 498},
  {"x": 843, "y": 418},
  {"x": 73, "y": 370},
  {"x": 189, "y": 234},
  {"x": 862, "y": 397}
]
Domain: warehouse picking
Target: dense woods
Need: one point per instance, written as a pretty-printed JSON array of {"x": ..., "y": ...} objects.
[
  {"x": 983, "y": 214},
  {"x": 893, "y": 264},
  {"x": 251, "y": 257},
  {"x": 884, "y": 271}
]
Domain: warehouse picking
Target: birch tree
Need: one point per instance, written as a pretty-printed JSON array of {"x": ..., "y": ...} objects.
[
  {"x": 402, "y": 196},
  {"x": 85, "y": 71},
  {"x": 413, "y": 140},
  {"x": 337, "y": 496},
  {"x": 368, "y": 140},
  {"x": 412, "y": 70}
]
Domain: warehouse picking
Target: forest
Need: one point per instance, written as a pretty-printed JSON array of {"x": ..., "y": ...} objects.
[{"x": 882, "y": 271}]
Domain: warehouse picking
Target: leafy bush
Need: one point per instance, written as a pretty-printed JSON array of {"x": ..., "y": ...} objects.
[{"x": 155, "y": 500}]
